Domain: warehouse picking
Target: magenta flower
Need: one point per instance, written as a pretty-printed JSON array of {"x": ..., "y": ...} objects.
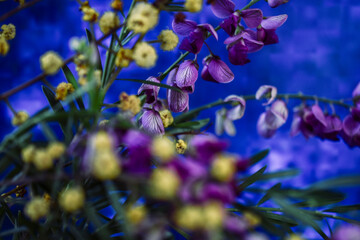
[
  {"x": 177, "y": 101},
  {"x": 206, "y": 147},
  {"x": 351, "y": 128},
  {"x": 151, "y": 122},
  {"x": 151, "y": 91},
  {"x": 272, "y": 119},
  {"x": 230, "y": 24},
  {"x": 242, "y": 44},
  {"x": 216, "y": 70},
  {"x": 266, "y": 31},
  {"x": 195, "y": 33},
  {"x": 276, "y": 3},
  {"x": 186, "y": 75}
]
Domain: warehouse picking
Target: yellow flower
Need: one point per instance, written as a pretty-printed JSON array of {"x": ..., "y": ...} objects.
[
  {"x": 56, "y": 149},
  {"x": 21, "y": 2},
  {"x": 213, "y": 215},
  {"x": 28, "y": 153},
  {"x": 181, "y": 146},
  {"x": 169, "y": 40},
  {"x": 223, "y": 168},
  {"x": 143, "y": 17},
  {"x": 20, "y": 118},
  {"x": 130, "y": 103},
  {"x": 166, "y": 118},
  {"x": 51, "y": 62},
  {"x": 43, "y": 160},
  {"x": 193, "y": 5},
  {"x": 190, "y": 217},
  {"x": 102, "y": 141},
  {"x": 37, "y": 208},
  {"x": 4, "y": 46},
  {"x": 8, "y": 31},
  {"x": 72, "y": 199},
  {"x": 123, "y": 57},
  {"x": 163, "y": 148},
  {"x": 252, "y": 219},
  {"x": 164, "y": 184},
  {"x": 106, "y": 165},
  {"x": 136, "y": 214},
  {"x": 144, "y": 55},
  {"x": 90, "y": 14},
  {"x": 294, "y": 237},
  {"x": 108, "y": 21},
  {"x": 117, "y": 5},
  {"x": 63, "y": 90}
]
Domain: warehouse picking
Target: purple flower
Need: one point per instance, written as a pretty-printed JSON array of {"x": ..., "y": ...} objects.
[
  {"x": 186, "y": 75},
  {"x": 272, "y": 119},
  {"x": 206, "y": 147},
  {"x": 266, "y": 91},
  {"x": 151, "y": 122},
  {"x": 222, "y": 8},
  {"x": 275, "y": 3},
  {"x": 216, "y": 70},
  {"x": 351, "y": 129},
  {"x": 242, "y": 44},
  {"x": 151, "y": 91},
  {"x": 347, "y": 232},
  {"x": 266, "y": 30},
  {"x": 195, "y": 33},
  {"x": 230, "y": 24},
  {"x": 252, "y": 17},
  {"x": 356, "y": 95},
  {"x": 177, "y": 101}
]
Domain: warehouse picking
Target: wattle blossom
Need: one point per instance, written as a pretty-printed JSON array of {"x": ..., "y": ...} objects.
[
  {"x": 266, "y": 31},
  {"x": 272, "y": 119},
  {"x": 216, "y": 70},
  {"x": 186, "y": 75},
  {"x": 276, "y": 3},
  {"x": 177, "y": 101},
  {"x": 151, "y": 91},
  {"x": 195, "y": 33},
  {"x": 268, "y": 92}
]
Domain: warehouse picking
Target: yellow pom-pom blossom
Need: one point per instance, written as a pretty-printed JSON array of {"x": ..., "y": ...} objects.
[
  {"x": 102, "y": 141},
  {"x": 169, "y": 40},
  {"x": 190, "y": 217},
  {"x": 294, "y": 237},
  {"x": 43, "y": 160},
  {"x": 193, "y": 5},
  {"x": 108, "y": 21},
  {"x": 37, "y": 208},
  {"x": 117, "y": 5},
  {"x": 72, "y": 199},
  {"x": 130, "y": 103},
  {"x": 163, "y": 148},
  {"x": 166, "y": 117},
  {"x": 8, "y": 31},
  {"x": 223, "y": 168},
  {"x": 181, "y": 146},
  {"x": 123, "y": 57},
  {"x": 214, "y": 214},
  {"x": 252, "y": 219},
  {"x": 51, "y": 62},
  {"x": 143, "y": 17},
  {"x": 63, "y": 90},
  {"x": 56, "y": 149},
  {"x": 28, "y": 153},
  {"x": 106, "y": 165},
  {"x": 135, "y": 215},
  {"x": 90, "y": 14},
  {"x": 164, "y": 184},
  {"x": 4, "y": 46},
  {"x": 19, "y": 118},
  {"x": 144, "y": 55}
]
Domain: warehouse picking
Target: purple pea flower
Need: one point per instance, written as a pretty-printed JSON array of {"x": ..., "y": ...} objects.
[
  {"x": 216, "y": 70},
  {"x": 195, "y": 33},
  {"x": 177, "y": 101},
  {"x": 206, "y": 147},
  {"x": 266, "y": 31},
  {"x": 351, "y": 128},
  {"x": 151, "y": 121},
  {"x": 276, "y": 3},
  {"x": 186, "y": 75},
  {"x": 268, "y": 92},
  {"x": 151, "y": 91},
  {"x": 356, "y": 95},
  {"x": 242, "y": 44},
  {"x": 272, "y": 119}
]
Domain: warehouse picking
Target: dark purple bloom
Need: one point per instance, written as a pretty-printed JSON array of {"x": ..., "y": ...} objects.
[
  {"x": 222, "y": 8},
  {"x": 351, "y": 129},
  {"x": 151, "y": 122},
  {"x": 268, "y": 92},
  {"x": 272, "y": 119},
  {"x": 275, "y": 3},
  {"x": 188, "y": 169},
  {"x": 186, "y": 75},
  {"x": 216, "y": 70},
  {"x": 266, "y": 31},
  {"x": 151, "y": 91},
  {"x": 252, "y": 17},
  {"x": 230, "y": 24},
  {"x": 356, "y": 95},
  {"x": 206, "y": 147},
  {"x": 177, "y": 101},
  {"x": 195, "y": 33}
]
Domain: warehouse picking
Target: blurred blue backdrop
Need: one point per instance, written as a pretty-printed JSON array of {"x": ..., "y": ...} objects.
[{"x": 318, "y": 53}]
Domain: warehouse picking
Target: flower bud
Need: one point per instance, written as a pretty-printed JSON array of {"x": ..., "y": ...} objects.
[{"x": 72, "y": 199}]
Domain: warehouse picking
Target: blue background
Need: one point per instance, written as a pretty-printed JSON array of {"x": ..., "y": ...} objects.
[{"x": 318, "y": 53}]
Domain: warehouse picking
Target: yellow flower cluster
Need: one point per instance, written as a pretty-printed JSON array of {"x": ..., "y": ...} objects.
[
  {"x": 169, "y": 40},
  {"x": 63, "y": 90},
  {"x": 136, "y": 214},
  {"x": 294, "y": 237},
  {"x": 117, "y": 5},
  {"x": 123, "y": 57},
  {"x": 4, "y": 46},
  {"x": 193, "y": 5},
  {"x": 108, "y": 21},
  {"x": 72, "y": 199},
  {"x": 181, "y": 146},
  {"x": 143, "y": 17},
  {"x": 8, "y": 31},
  {"x": 19, "y": 118},
  {"x": 144, "y": 55},
  {"x": 130, "y": 103},
  {"x": 37, "y": 208},
  {"x": 51, "y": 62},
  {"x": 164, "y": 184},
  {"x": 166, "y": 118},
  {"x": 252, "y": 219},
  {"x": 163, "y": 148},
  {"x": 223, "y": 168}
]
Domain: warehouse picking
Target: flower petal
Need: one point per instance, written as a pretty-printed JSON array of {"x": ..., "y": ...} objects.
[
  {"x": 236, "y": 112},
  {"x": 187, "y": 74},
  {"x": 276, "y": 3},
  {"x": 238, "y": 54},
  {"x": 219, "y": 71},
  {"x": 193, "y": 43},
  {"x": 262, "y": 128},
  {"x": 210, "y": 29},
  {"x": 252, "y": 17},
  {"x": 274, "y": 22},
  {"x": 222, "y": 8},
  {"x": 268, "y": 92},
  {"x": 230, "y": 24},
  {"x": 152, "y": 123},
  {"x": 178, "y": 101},
  {"x": 151, "y": 91},
  {"x": 277, "y": 115},
  {"x": 183, "y": 27}
]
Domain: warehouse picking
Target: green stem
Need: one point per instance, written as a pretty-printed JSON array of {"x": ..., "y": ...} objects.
[{"x": 252, "y": 2}]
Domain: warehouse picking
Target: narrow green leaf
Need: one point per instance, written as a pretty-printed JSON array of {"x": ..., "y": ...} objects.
[
  {"x": 320, "y": 198},
  {"x": 342, "y": 209},
  {"x": 267, "y": 196},
  {"x": 13, "y": 231},
  {"x": 280, "y": 174},
  {"x": 279, "y": 219},
  {"x": 92, "y": 40},
  {"x": 339, "y": 182},
  {"x": 194, "y": 124},
  {"x": 252, "y": 179},
  {"x": 71, "y": 79},
  {"x": 259, "y": 156}
]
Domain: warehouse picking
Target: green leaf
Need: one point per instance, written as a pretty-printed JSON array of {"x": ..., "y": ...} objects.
[
  {"x": 342, "y": 209},
  {"x": 13, "y": 231},
  {"x": 320, "y": 198},
  {"x": 280, "y": 174},
  {"x": 339, "y": 182},
  {"x": 252, "y": 179},
  {"x": 194, "y": 124},
  {"x": 92, "y": 40},
  {"x": 71, "y": 79},
  {"x": 279, "y": 219},
  {"x": 150, "y": 83},
  {"x": 259, "y": 156},
  {"x": 267, "y": 196}
]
